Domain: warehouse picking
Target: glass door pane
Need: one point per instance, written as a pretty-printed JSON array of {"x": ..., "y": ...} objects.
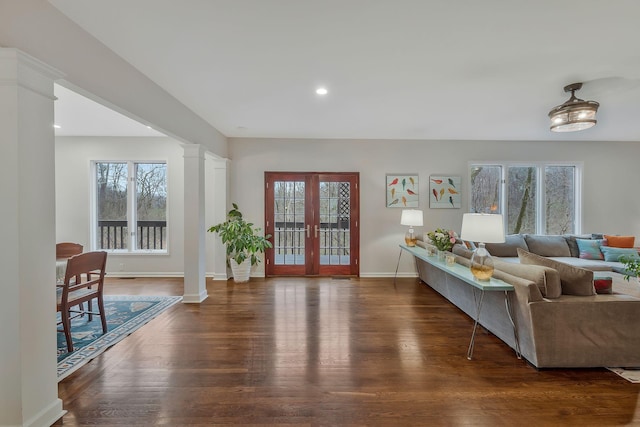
[
  {"x": 289, "y": 222},
  {"x": 335, "y": 218}
]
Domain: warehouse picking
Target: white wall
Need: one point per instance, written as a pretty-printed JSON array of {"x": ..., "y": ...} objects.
[
  {"x": 611, "y": 179},
  {"x": 73, "y": 190},
  {"x": 609, "y": 202}
]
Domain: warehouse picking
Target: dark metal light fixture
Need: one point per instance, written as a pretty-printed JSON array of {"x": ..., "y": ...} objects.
[{"x": 575, "y": 114}]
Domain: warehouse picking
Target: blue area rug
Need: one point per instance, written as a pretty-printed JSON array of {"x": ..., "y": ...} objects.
[{"x": 125, "y": 314}]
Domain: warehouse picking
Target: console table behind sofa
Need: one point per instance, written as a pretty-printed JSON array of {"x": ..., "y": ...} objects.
[
  {"x": 458, "y": 274},
  {"x": 570, "y": 331}
]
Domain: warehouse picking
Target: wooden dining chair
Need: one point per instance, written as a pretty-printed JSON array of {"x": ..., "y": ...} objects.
[
  {"x": 83, "y": 282},
  {"x": 68, "y": 249}
]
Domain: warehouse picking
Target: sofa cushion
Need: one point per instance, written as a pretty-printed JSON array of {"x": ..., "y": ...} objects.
[
  {"x": 620, "y": 241},
  {"x": 574, "y": 280},
  {"x": 573, "y": 246},
  {"x": 587, "y": 264},
  {"x": 590, "y": 249},
  {"x": 546, "y": 279},
  {"x": 510, "y": 246},
  {"x": 462, "y": 250},
  {"x": 547, "y": 245},
  {"x": 614, "y": 254}
]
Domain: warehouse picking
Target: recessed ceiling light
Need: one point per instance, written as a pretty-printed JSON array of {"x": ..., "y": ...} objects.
[
  {"x": 57, "y": 126},
  {"x": 322, "y": 91}
]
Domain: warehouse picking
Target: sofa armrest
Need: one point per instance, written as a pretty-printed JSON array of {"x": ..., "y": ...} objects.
[
  {"x": 587, "y": 331},
  {"x": 526, "y": 290}
]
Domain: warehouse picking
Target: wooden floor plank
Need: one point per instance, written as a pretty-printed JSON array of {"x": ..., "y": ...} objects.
[{"x": 316, "y": 351}]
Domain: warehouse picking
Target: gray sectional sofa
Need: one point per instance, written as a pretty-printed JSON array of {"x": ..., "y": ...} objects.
[
  {"x": 560, "y": 248},
  {"x": 561, "y": 321}
]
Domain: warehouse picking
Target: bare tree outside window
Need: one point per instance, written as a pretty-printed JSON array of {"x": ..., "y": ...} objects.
[
  {"x": 486, "y": 188},
  {"x": 151, "y": 200},
  {"x": 289, "y": 211},
  {"x": 111, "y": 183},
  {"x": 558, "y": 207},
  {"x": 560, "y": 199},
  {"x": 115, "y": 228},
  {"x": 521, "y": 199}
]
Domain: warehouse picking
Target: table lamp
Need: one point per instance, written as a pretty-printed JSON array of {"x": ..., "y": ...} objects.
[
  {"x": 412, "y": 218},
  {"x": 482, "y": 228}
]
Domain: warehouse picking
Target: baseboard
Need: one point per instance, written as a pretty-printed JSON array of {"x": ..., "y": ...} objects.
[
  {"x": 48, "y": 416},
  {"x": 389, "y": 275},
  {"x": 194, "y": 298},
  {"x": 145, "y": 274},
  {"x": 224, "y": 277}
]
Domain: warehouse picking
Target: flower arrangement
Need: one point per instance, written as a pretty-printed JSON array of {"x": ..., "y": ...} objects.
[{"x": 442, "y": 239}]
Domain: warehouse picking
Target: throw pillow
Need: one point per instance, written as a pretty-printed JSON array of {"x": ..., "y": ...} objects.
[
  {"x": 508, "y": 248},
  {"x": 573, "y": 280},
  {"x": 603, "y": 285},
  {"x": 546, "y": 279},
  {"x": 590, "y": 249},
  {"x": 468, "y": 244},
  {"x": 573, "y": 246},
  {"x": 614, "y": 254},
  {"x": 620, "y": 241},
  {"x": 547, "y": 245}
]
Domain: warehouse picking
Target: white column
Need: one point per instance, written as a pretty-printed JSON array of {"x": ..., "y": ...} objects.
[
  {"x": 195, "y": 289},
  {"x": 217, "y": 204},
  {"x": 28, "y": 378}
]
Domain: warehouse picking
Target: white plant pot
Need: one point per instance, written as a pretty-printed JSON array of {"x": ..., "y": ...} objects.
[{"x": 241, "y": 272}]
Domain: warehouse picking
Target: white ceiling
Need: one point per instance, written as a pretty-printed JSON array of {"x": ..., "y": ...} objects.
[
  {"x": 80, "y": 116},
  {"x": 401, "y": 69}
]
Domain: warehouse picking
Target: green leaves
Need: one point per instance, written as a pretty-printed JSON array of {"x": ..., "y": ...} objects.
[
  {"x": 631, "y": 266},
  {"x": 242, "y": 239}
]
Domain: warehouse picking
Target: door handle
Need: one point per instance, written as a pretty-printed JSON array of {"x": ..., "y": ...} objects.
[
  {"x": 308, "y": 231},
  {"x": 315, "y": 228}
]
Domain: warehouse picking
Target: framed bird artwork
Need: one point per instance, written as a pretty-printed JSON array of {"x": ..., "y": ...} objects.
[
  {"x": 402, "y": 190},
  {"x": 444, "y": 192}
]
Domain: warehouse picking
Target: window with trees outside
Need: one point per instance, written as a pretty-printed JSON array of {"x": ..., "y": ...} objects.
[
  {"x": 130, "y": 210},
  {"x": 538, "y": 198}
]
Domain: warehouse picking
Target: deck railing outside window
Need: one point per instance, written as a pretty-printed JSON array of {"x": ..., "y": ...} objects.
[
  {"x": 150, "y": 235},
  {"x": 289, "y": 238}
]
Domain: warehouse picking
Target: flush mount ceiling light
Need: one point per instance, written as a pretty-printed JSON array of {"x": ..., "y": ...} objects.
[{"x": 575, "y": 114}]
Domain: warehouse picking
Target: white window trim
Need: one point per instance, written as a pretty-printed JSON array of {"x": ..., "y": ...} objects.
[
  {"x": 131, "y": 213},
  {"x": 540, "y": 201}
]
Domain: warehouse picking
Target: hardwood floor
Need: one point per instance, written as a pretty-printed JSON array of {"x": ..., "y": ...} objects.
[{"x": 315, "y": 352}]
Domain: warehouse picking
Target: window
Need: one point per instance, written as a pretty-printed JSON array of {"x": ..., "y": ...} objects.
[
  {"x": 540, "y": 198},
  {"x": 130, "y": 208}
]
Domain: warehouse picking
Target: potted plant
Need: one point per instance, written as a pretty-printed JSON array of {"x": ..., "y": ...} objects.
[
  {"x": 244, "y": 242},
  {"x": 631, "y": 267}
]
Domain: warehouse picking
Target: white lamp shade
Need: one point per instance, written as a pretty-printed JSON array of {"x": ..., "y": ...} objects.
[
  {"x": 485, "y": 228},
  {"x": 411, "y": 217}
]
